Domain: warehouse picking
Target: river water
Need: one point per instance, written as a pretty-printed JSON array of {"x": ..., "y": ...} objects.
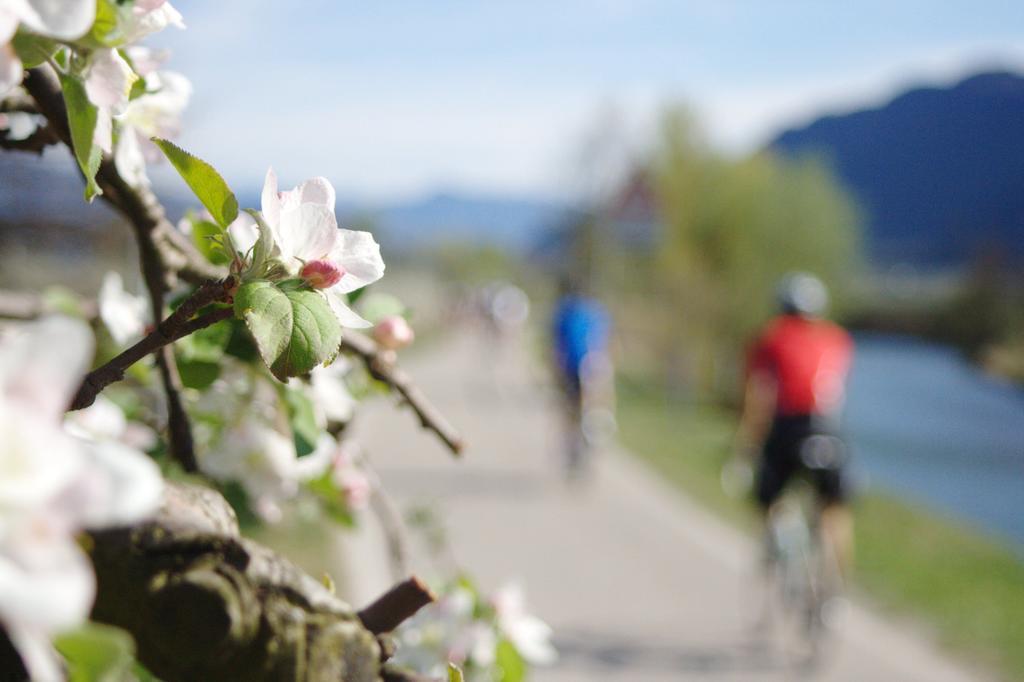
[{"x": 928, "y": 425}]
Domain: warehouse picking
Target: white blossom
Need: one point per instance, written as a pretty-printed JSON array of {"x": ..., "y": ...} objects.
[
  {"x": 330, "y": 393},
  {"x": 259, "y": 457},
  {"x": 52, "y": 485},
  {"x": 151, "y": 16},
  {"x": 123, "y": 314},
  {"x": 312, "y": 246},
  {"x": 156, "y": 113},
  {"x": 60, "y": 19},
  {"x": 530, "y": 635}
]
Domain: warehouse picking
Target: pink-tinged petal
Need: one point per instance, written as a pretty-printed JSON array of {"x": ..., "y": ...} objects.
[
  {"x": 149, "y": 5},
  {"x": 10, "y": 69},
  {"x": 346, "y": 316},
  {"x": 146, "y": 60},
  {"x": 393, "y": 332},
  {"x": 46, "y": 579},
  {"x": 359, "y": 254},
  {"x": 270, "y": 202},
  {"x": 109, "y": 80},
  {"x": 119, "y": 487},
  {"x": 34, "y": 647},
  {"x": 307, "y": 232},
  {"x": 8, "y": 24},
  {"x": 37, "y": 458},
  {"x": 321, "y": 274},
  {"x": 317, "y": 191},
  {"x": 148, "y": 21},
  {"x": 42, "y": 365},
  {"x": 63, "y": 19},
  {"x": 129, "y": 160},
  {"x": 103, "y": 136},
  {"x": 244, "y": 232}
]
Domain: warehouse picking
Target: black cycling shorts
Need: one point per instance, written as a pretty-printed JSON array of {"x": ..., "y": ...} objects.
[{"x": 802, "y": 445}]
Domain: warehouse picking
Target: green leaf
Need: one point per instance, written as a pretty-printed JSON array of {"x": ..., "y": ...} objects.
[
  {"x": 239, "y": 500},
  {"x": 97, "y": 653},
  {"x": 376, "y": 306},
  {"x": 143, "y": 675},
  {"x": 198, "y": 374},
  {"x": 108, "y": 29},
  {"x": 205, "y": 236},
  {"x": 264, "y": 247},
  {"x": 199, "y": 354},
  {"x": 82, "y": 117},
  {"x": 454, "y": 674},
  {"x": 206, "y": 345},
  {"x": 332, "y": 500},
  {"x": 302, "y": 418},
  {"x": 241, "y": 345},
  {"x": 32, "y": 50},
  {"x": 207, "y": 184},
  {"x": 511, "y": 666},
  {"x": 295, "y": 330}
]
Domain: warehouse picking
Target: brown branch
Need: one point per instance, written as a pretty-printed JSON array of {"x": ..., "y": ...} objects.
[
  {"x": 394, "y": 530},
  {"x": 39, "y": 140},
  {"x": 163, "y": 252},
  {"x": 392, "y": 674},
  {"x": 396, "y": 605},
  {"x": 23, "y": 305},
  {"x": 176, "y": 326},
  {"x": 139, "y": 205},
  {"x": 18, "y": 102},
  {"x": 384, "y": 369},
  {"x": 203, "y": 603}
]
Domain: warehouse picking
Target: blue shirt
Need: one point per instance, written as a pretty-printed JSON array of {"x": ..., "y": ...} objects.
[{"x": 581, "y": 326}]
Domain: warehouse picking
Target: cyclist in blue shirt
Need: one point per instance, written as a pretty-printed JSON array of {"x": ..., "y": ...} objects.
[{"x": 581, "y": 328}]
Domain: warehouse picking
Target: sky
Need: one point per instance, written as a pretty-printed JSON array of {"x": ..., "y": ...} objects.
[{"x": 393, "y": 100}]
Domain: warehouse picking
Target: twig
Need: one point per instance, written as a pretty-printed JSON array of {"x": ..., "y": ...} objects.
[
  {"x": 176, "y": 253},
  {"x": 17, "y": 102},
  {"x": 178, "y": 325},
  {"x": 23, "y": 305},
  {"x": 390, "y": 673},
  {"x": 164, "y": 253},
  {"x": 41, "y": 138},
  {"x": 396, "y": 605},
  {"x": 383, "y": 369},
  {"x": 394, "y": 529}
]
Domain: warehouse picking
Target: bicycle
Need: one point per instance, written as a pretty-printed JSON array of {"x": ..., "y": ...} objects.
[
  {"x": 803, "y": 600},
  {"x": 590, "y": 416}
]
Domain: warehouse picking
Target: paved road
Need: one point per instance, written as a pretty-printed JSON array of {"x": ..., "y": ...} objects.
[{"x": 638, "y": 583}]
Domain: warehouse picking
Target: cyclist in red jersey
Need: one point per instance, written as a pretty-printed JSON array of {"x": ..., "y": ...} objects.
[{"x": 796, "y": 378}]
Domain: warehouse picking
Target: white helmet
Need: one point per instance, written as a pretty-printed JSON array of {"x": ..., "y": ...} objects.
[{"x": 801, "y": 293}]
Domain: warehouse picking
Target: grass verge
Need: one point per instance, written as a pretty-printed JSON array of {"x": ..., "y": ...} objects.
[{"x": 968, "y": 588}]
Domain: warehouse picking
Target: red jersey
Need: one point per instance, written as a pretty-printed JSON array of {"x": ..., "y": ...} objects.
[{"x": 808, "y": 359}]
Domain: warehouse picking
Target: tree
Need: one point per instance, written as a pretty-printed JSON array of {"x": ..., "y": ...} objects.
[
  {"x": 232, "y": 379},
  {"x": 728, "y": 229}
]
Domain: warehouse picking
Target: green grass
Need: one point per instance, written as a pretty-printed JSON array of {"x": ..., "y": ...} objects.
[{"x": 965, "y": 587}]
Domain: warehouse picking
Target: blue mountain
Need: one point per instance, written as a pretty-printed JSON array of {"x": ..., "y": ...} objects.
[{"x": 939, "y": 172}]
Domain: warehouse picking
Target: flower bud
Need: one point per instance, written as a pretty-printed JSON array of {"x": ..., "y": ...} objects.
[
  {"x": 322, "y": 274},
  {"x": 393, "y": 332}
]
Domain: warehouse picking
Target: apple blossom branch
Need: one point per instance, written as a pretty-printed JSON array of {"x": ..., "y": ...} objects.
[
  {"x": 177, "y": 325},
  {"x": 177, "y": 256},
  {"x": 164, "y": 253},
  {"x": 381, "y": 366},
  {"x": 167, "y": 254}
]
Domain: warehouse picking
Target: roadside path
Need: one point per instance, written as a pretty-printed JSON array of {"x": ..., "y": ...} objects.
[{"x": 638, "y": 582}]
